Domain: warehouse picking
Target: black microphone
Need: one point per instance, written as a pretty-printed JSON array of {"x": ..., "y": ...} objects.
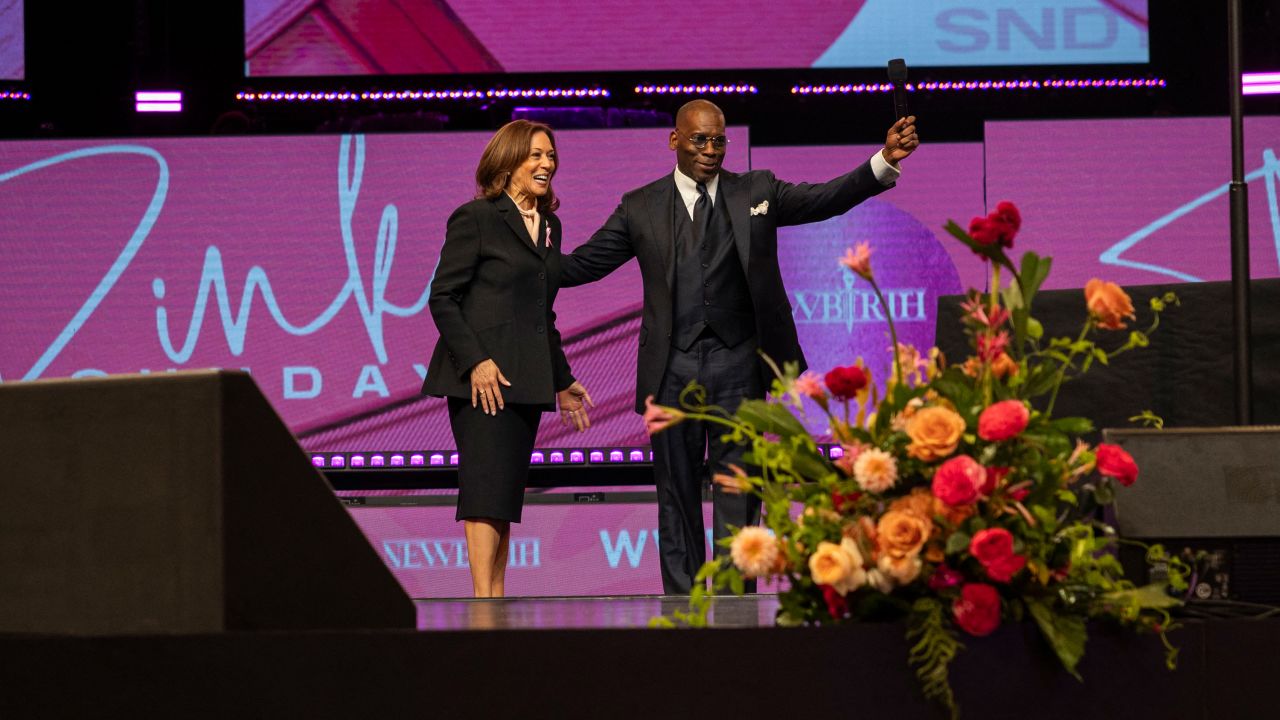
[{"x": 898, "y": 78}]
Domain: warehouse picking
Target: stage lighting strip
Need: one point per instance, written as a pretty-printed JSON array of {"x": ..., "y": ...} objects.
[
  {"x": 448, "y": 458},
  {"x": 697, "y": 89},
  {"x": 14, "y": 95},
  {"x": 1267, "y": 83},
  {"x": 1081, "y": 84},
  {"x": 293, "y": 96}
]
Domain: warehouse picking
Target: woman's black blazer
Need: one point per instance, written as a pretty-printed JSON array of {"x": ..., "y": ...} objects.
[{"x": 491, "y": 297}]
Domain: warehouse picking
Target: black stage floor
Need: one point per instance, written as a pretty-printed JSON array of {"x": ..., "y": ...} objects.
[
  {"x": 563, "y": 613},
  {"x": 590, "y": 658}
]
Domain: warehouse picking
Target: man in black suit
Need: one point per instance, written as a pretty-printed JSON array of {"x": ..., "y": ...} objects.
[{"x": 707, "y": 243}]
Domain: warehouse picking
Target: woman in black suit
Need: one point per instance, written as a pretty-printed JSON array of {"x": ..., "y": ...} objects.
[{"x": 499, "y": 360}]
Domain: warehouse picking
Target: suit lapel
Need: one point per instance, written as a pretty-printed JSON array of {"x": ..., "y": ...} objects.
[
  {"x": 511, "y": 216},
  {"x": 661, "y": 202},
  {"x": 734, "y": 194}
]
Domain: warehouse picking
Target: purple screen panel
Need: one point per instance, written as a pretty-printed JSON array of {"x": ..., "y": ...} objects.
[
  {"x": 13, "y": 61},
  {"x": 1136, "y": 201},
  {"x": 608, "y": 549},
  {"x": 303, "y": 259},
  {"x": 837, "y": 315},
  {"x": 382, "y": 37}
]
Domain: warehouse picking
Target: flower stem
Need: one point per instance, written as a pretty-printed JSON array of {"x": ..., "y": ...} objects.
[
  {"x": 893, "y": 333},
  {"x": 1062, "y": 371},
  {"x": 992, "y": 306}
]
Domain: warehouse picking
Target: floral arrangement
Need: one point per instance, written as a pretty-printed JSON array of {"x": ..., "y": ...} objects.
[{"x": 957, "y": 500}]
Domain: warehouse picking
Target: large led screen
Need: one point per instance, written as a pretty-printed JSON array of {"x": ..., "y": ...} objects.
[
  {"x": 12, "y": 45},
  {"x": 305, "y": 260},
  {"x": 838, "y": 317},
  {"x": 377, "y": 37},
  {"x": 1136, "y": 201},
  {"x": 558, "y": 549}
]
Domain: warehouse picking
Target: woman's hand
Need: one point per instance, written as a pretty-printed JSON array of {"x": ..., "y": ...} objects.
[
  {"x": 573, "y": 406},
  {"x": 486, "y": 386}
]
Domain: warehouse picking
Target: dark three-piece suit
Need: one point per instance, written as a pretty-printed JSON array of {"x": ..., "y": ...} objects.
[{"x": 713, "y": 296}]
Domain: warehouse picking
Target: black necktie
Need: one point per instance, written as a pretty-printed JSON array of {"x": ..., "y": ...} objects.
[{"x": 701, "y": 213}]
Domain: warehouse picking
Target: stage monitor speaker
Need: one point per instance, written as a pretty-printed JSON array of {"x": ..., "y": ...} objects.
[
  {"x": 174, "y": 502},
  {"x": 1212, "y": 496}
]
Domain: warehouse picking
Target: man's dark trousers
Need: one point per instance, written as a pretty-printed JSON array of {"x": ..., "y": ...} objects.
[{"x": 713, "y": 344}]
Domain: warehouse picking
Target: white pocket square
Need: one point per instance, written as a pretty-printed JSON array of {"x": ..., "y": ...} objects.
[{"x": 761, "y": 209}]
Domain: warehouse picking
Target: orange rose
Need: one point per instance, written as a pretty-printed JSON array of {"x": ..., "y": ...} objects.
[
  {"x": 935, "y": 433},
  {"x": 901, "y": 534},
  {"x": 1004, "y": 366},
  {"x": 1108, "y": 304},
  {"x": 919, "y": 502}
]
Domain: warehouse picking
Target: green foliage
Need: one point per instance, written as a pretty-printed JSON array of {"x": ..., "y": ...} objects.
[
  {"x": 767, "y": 418},
  {"x": 1019, "y": 295},
  {"x": 1148, "y": 419},
  {"x": 935, "y": 646},
  {"x": 1066, "y": 633}
]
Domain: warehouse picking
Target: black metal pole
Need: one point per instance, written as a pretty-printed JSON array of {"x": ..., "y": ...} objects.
[{"x": 1239, "y": 227}]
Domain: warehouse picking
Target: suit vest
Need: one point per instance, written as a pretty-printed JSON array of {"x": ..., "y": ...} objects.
[{"x": 711, "y": 291}]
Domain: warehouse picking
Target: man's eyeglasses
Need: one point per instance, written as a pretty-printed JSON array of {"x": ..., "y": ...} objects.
[{"x": 700, "y": 141}]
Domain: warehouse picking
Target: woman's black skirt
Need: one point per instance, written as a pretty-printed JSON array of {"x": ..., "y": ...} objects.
[{"x": 493, "y": 458}]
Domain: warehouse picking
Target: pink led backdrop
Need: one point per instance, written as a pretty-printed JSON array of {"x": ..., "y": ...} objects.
[
  {"x": 304, "y": 260},
  {"x": 377, "y": 37},
  {"x": 559, "y": 549},
  {"x": 940, "y": 181},
  {"x": 1136, "y": 201},
  {"x": 108, "y": 248}
]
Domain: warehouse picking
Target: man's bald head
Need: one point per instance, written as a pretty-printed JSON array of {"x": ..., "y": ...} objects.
[{"x": 692, "y": 107}]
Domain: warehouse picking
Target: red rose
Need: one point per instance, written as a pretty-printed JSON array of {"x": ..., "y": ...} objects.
[
  {"x": 845, "y": 382},
  {"x": 994, "y": 477},
  {"x": 944, "y": 577},
  {"x": 836, "y": 603},
  {"x": 982, "y": 232},
  {"x": 991, "y": 230},
  {"x": 977, "y": 610},
  {"x": 1003, "y": 570},
  {"x": 957, "y": 481},
  {"x": 1003, "y": 420},
  {"x": 991, "y": 544},
  {"x": 999, "y": 227},
  {"x": 1114, "y": 462},
  {"x": 993, "y": 548},
  {"x": 839, "y": 500},
  {"x": 1008, "y": 213}
]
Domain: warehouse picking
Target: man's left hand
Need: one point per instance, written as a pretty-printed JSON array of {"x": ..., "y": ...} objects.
[
  {"x": 901, "y": 140},
  {"x": 574, "y": 401}
]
